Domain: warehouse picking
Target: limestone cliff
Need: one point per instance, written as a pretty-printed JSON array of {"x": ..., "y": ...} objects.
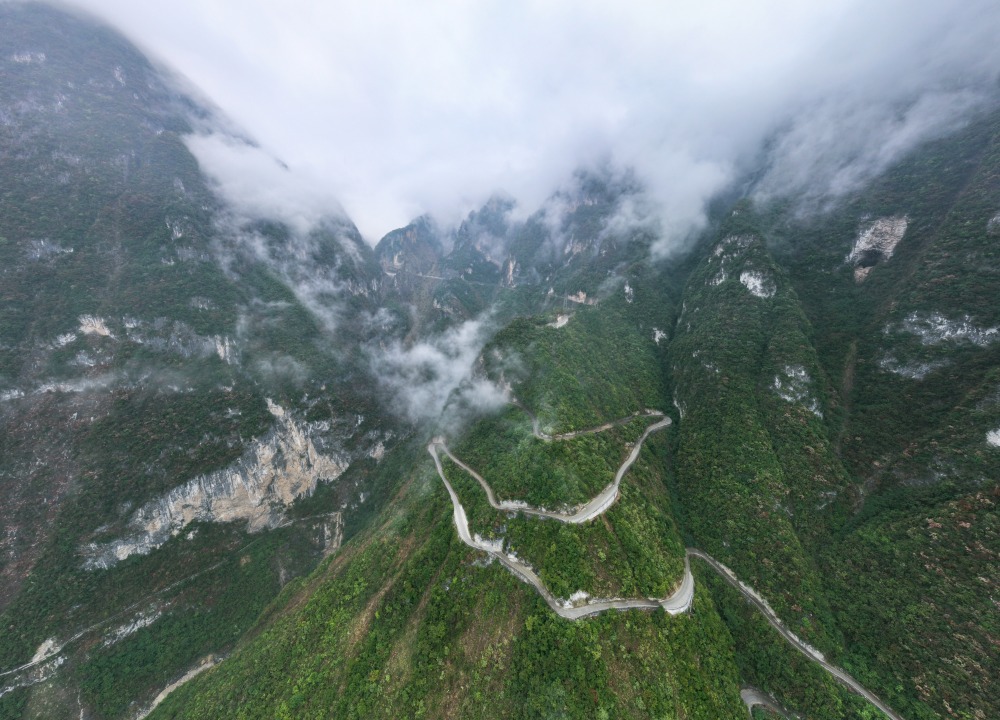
[{"x": 275, "y": 470}]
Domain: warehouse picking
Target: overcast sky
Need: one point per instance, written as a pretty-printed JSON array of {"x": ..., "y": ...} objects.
[{"x": 400, "y": 108}]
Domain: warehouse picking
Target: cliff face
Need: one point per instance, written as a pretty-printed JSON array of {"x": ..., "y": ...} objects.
[
  {"x": 144, "y": 324},
  {"x": 274, "y": 471},
  {"x": 190, "y": 420}
]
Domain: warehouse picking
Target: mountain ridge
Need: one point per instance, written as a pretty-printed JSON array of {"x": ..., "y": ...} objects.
[{"x": 213, "y": 386}]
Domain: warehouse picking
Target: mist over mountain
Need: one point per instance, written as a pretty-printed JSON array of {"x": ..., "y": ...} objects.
[
  {"x": 524, "y": 361},
  {"x": 401, "y": 112}
]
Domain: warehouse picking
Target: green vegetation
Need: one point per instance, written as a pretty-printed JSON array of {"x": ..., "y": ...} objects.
[
  {"x": 519, "y": 466},
  {"x": 766, "y": 661},
  {"x": 946, "y": 263},
  {"x": 243, "y": 583},
  {"x": 596, "y": 368},
  {"x": 408, "y": 621},
  {"x": 105, "y": 212},
  {"x": 654, "y": 665},
  {"x": 13, "y": 704},
  {"x": 829, "y": 446},
  {"x": 632, "y": 550},
  {"x": 747, "y": 486},
  {"x": 147, "y": 441},
  {"x": 910, "y": 597},
  {"x": 913, "y": 584},
  {"x": 759, "y": 480}
]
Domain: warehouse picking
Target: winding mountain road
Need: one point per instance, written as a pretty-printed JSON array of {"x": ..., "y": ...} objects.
[
  {"x": 536, "y": 428},
  {"x": 594, "y": 507},
  {"x": 676, "y": 603},
  {"x": 679, "y": 602},
  {"x": 791, "y": 638}
]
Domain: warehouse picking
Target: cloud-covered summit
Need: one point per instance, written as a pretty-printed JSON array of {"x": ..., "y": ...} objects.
[{"x": 398, "y": 109}]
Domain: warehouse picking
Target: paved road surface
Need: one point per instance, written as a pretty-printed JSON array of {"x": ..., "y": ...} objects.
[
  {"x": 679, "y": 602},
  {"x": 594, "y": 507}
]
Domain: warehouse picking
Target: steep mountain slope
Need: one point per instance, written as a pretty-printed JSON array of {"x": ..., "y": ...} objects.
[
  {"x": 898, "y": 559},
  {"x": 202, "y": 488},
  {"x": 914, "y": 343},
  {"x": 410, "y": 621},
  {"x": 751, "y": 398},
  {"x": 577, "y": 248},
  {"x": 759, "y": 478},
  {"x": 163, "y": 368}
]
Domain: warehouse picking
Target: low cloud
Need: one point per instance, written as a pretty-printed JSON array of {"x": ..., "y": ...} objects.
[
  {"x": 282, "y": 219},
  {"x": 278, "y": 367},
  {"x": 436, "y": 380},
  {"x": 837, "y": 147},
  {"x": 258, "y": 186},
  {"x": 398, "y": 110}
]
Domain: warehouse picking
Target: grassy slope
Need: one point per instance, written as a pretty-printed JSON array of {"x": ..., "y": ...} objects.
[
  {"x": 598, "y": 367},
  {"x": 519, "y": 466},
  {"x": 633, "y": 550},
  {"x": 408, "y": 622}
]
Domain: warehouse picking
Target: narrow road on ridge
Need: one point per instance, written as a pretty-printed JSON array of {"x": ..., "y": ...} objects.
[
  {"x": 679, "y": 602},
  {"x": 594, "y": 507}
]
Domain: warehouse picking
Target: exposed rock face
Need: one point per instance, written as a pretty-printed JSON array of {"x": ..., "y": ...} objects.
[
  {"x": 730, "y": 250},
  {"x": 921, "y": 342},
  {"x": 935, "y": 328},
  {"x": 275, "y": 470},
  {"x": 993, "y": 226},
  {"x": 143, "y": 620},
  {"x": 759, "y": 284},
  {"x": 33, "y": 676},
  {"x": 793, "y": 384},
  {"x": 175, "y": 337},
  {"x": 876, "y": 242},
  {"x": 509, "y": 268},
  {"x": 913, "y": 370},
  {"x": 733, "y": 244},
  {"x": 91, "y": 325},
  {"x": 581, "y": 298},
  {"x": 719, "y": 279},
  {"x": 333, "y": 533}
]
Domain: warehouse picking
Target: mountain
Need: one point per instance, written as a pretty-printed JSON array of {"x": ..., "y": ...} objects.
[
  {"x": 163, "y": 369},
  {"x": 521, "y": 467}
]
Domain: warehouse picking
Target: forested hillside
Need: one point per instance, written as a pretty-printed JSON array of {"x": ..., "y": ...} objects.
[
  {"x": 145, "y": 384},
  {"x": 548, "y": 461},
  {"x": 410, "y": 621},
  {"x": 911, "y": 348}
]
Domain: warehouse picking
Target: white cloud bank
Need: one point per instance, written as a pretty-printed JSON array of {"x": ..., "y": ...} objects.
[
  {"x": 258, "y": 186},
  {"x": 399, "y": 108},
  {"x": 439, "y": 372}
]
